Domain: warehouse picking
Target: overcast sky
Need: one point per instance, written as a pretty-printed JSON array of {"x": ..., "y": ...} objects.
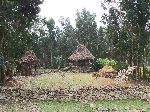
[{"x": 68, "y": 8}]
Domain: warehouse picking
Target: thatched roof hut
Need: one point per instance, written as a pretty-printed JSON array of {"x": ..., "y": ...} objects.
[
  {"x": 29, "y": 58},
  {"x": 27, "y": 63},
  {"x": 81, "y": 53},
  {"x": 81, "y": 59}
]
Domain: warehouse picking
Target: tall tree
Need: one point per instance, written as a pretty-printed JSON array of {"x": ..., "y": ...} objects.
[
  {"x": 118, "y": 40},
  {"x": 16, "y": 17},
  {"x": 127, "y": 31},
  {"x": 67, "y": 41},
  {"x": 137, "y": 16},
  {"x": 101, "y": 44},
  {"x": 15, "y": 20},
  {"x": 52, "y": 39},
  {"x": 39, "y": 31},
  {"x": 86, "y": 28},
  {"x": 48, "y": 43}
]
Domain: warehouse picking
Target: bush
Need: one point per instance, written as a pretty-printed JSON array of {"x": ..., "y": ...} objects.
[
  {"x": 96, "y": 65},
  {"x": 107, "y": 62},
  {"x": 110, "y": 62}
]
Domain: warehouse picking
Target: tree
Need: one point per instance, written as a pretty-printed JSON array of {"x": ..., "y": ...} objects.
[
  {"x": 66, "y": 43},
  {"x": 47, "y": 42},
  {"x": 51, "y": 38},
  {"x": 38, "y": 33},
  {"x": 127, "y": 31},
  {"x": 101, "y": 43},
  {"x": 86, "y": 29},
  {"x": 15, "y": 20},
  {"x": 137, "y": 16},
  {"x": 16, "y": 17},
  {"x": 118, "y": 41}
]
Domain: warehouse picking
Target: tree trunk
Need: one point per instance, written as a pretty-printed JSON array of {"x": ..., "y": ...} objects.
[
  {"x": 143, "y": 58},
  {"x": 2, "y": 76},
  {"x": 51, "y": 57},
  {"x": 2, "y": 72}
]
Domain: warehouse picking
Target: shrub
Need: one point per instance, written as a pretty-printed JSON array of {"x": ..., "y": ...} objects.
[
  {"x": 107, "y": 62},
  {"x": 110, "y": 62},
  {"x": 96, "y": 66}
]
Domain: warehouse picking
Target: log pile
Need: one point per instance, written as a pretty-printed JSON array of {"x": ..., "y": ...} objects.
[{"x": 106, "y": 71}]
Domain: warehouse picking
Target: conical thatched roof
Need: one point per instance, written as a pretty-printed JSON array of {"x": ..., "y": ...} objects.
[
  {"x": 28, "y": 64},
  {"x": 29, "y": 58},
  {"x": 81, "y": 53}
]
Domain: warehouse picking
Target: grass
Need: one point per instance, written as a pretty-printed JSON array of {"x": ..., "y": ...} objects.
[
  {"x": 72, "y": 80},
  {"x": 72, "y": 106},
  {"x": 62, "y": 106},
  {"x": 13, "y": 107}
]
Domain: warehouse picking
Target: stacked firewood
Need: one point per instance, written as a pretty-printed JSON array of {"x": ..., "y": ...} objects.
[{"x": 106, "y": 71}]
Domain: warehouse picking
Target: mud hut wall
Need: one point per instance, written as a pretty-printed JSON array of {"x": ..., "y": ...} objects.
[{"x": 81, "y": 63}]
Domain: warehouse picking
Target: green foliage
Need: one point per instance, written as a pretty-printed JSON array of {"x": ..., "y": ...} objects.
[
  {"x": 86, "y": 30},
  {"x": 96, "y": 66},
  {"x": 86, "y": 26},
  {"x": 16, "y": 19},
  {"x": 66, "y": 40},
  {"x": 107, "y": 62},
  {"x": 126, "y": 31},
  {"x": 59, "y": 61},
  {"x": 122, "y": 65},
  {"x": 110, "y": 62}
]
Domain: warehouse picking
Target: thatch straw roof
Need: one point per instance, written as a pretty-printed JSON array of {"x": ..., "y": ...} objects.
[
  {"x": 29, "y": 58},
  {"x": 81, "y": 53}
]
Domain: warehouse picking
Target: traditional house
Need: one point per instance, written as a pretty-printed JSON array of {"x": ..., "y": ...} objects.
[
  {"x": 28, "y": 64},
  {"x": 80, "y": 59}
]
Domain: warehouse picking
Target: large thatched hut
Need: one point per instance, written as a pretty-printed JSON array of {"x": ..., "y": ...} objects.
[
  {"x": 28, "y": 64},
  {"x": 80, "y": 59}
]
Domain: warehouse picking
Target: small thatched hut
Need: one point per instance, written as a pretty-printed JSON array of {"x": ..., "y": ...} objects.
[
  {"x": 28, "y": 64},
  {"x": 81, "y": 58}
]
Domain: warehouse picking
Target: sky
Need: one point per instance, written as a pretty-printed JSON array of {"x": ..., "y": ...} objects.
[{"x": 68, "y": 8}]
